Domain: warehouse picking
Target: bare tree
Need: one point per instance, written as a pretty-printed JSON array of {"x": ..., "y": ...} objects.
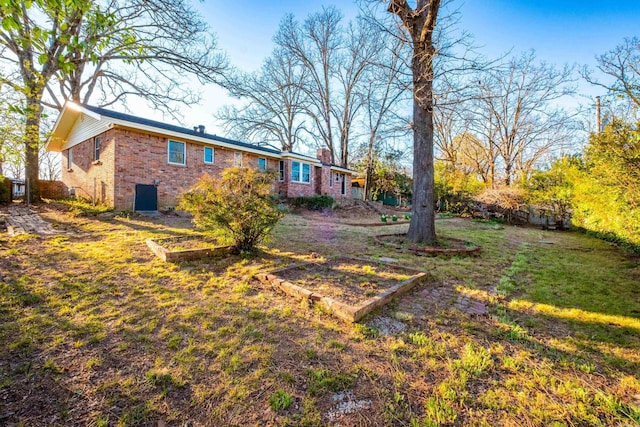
[
  {"x": 274, "y": 105},
  {"x": 450, "y": 121},
  {"x": 472, "y": 157},
  {"x": 386, "y": 88},
  {"x": 335, "y": 59},
  {"x": 145, "y": 48},
  {"x": 49, "y": 165},
  {"x": 11, "y": 139},
  {"x": 622, "y": 65},
  {"x": 315, "y": 46},
  {"x": 361, "y": 48},
  {"x": 515, "y": 115}
]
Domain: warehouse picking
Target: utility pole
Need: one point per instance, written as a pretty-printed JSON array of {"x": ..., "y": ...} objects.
[{"x": 598, "y": 117}]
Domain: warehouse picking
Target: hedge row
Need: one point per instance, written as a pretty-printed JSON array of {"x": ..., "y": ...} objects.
[{"x": 313, "y": 202}]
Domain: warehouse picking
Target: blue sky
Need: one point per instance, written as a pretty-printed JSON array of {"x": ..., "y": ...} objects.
[{"x": 561, "y": 31}]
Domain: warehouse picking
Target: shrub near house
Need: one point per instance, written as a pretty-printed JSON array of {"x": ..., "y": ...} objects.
[
  {"x": 5, "y": 190},
  {"x": 239, "y": 203}
]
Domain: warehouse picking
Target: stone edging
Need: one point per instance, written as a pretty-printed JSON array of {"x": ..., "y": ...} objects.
[
  {"x": 339, "y": 309},
  {"x": 473, "y": 250},
  {"x": 377, "y": 224},
  {"x": 184, "y": 255}
]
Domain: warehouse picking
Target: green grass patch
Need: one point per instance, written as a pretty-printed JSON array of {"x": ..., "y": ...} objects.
[
  {"x": 138, "y": 340},
  {"x": 280, "y": 400},
  {"x": 322, "y": 380}
]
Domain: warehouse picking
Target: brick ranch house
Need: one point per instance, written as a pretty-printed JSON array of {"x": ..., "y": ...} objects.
[{"x": 129, "y": 162}]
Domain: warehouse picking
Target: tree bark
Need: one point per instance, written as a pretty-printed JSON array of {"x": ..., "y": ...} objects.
[
  {"x": 32, "y": 146},
  {"x": 420, "y": 24},
  {"x": 368, "y": 180},
  {"x": 422, "y": 227}
]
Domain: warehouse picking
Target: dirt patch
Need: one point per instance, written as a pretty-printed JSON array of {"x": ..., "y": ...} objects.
[
  {"x": 387, "y": 326},
  {"x": 174, "y": 249},
  {"x": 350, "y": 288},
  {"x": 357, "y": 213},
  {"x": 187, "y": 243},
  {"x": 345, "y": 279},
  {"x": 346, "y": 403},
  {"x": 442, "y": 246}
]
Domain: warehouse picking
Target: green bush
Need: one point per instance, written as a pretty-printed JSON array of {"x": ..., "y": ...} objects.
[
  {"x": 5, "y": 190},
  {"x": 313, "y": 202},
  {"x": 280, "y": 400},
  {"x": 606, "y": 195},
  {"x": 79, "y": 206},
  {"x": 239, "y": 205}
]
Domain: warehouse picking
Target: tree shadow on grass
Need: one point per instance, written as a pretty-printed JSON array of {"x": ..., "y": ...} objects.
[
  {"x": 590, "y": 336},
  {"x": 587, "y": 336}
]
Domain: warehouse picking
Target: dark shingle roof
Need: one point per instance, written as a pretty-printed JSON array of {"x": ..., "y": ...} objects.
[{"x": 172, "y": 128}]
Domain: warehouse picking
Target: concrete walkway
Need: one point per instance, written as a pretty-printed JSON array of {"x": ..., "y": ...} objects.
[{"x": 24, "y": 220}]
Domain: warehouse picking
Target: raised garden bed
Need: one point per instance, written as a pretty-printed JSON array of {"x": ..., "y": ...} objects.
[
  {"x": 377, "y": 224},
  {"x": 186, "y": 248},
  {"x": 443, "y": 246},
  {"x": 349, "y": 288}
]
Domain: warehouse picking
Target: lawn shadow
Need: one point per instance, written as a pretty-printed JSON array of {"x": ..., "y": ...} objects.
[{"x": 589, "y": 335}]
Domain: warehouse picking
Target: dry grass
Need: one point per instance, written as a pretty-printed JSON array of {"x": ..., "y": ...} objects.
[
  {"x": 348, "y": 280},
  {"x": 97, "y": 331}
]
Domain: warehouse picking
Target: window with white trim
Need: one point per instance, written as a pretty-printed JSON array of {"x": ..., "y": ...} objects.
[
  {"x": 70, "y": 159},
  {"x": 208, "y": 155},
  {"x": 262, "y": 164},
  {"x": 176, "y": 153},
  {"x": 281, "y": 174},
  {"x": 300, "y": 172},
  {"x": 237, "y": 160},
  {"x": 330, "y": 179},
  {"x": 97, "y": 145},
  {"x": 306, "y": 172}
]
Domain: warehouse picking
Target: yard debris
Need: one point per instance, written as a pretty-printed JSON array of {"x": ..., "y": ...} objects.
[
  {"x": 24, "y": 220},
  {"x": 349, "y": 288},
  {"x": 346, "y": 404},
  {"x": 387, "y": 326}
]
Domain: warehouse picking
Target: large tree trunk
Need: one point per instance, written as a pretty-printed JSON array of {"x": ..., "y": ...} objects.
[
  {"x": 368, "y": 180},
  {"x": 32, "y": 146},
  {"x": 422, "y": 227},
  {"x": 344, "y": 155},
  {"x": 420, "y": 23}
]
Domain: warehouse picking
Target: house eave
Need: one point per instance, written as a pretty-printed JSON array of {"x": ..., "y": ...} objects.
[
  {"x": 342, "y": 170},
  {"x": 65, "y": 122},
  {"x": 296, "y": 156}
]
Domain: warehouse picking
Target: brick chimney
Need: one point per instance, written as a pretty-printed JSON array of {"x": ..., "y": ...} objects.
[{"x": 324, "y": 155}]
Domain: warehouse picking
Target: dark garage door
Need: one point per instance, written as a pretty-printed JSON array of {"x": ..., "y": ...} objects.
[{"x": 146, "y": 197}]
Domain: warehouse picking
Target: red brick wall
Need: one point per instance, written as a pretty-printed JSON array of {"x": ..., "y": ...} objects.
[
  {"x": 92, "y": 179},
  {"x": 142, "y": 159},
  {"x": 334, "y": 190},
  {"x": 130, "y": 157},
  {"x": 319, "y": 185},
  {"x": 324, "y": 155},
  {"x": 296, "y": 189},
  {"x": 53, "y": 189}
]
